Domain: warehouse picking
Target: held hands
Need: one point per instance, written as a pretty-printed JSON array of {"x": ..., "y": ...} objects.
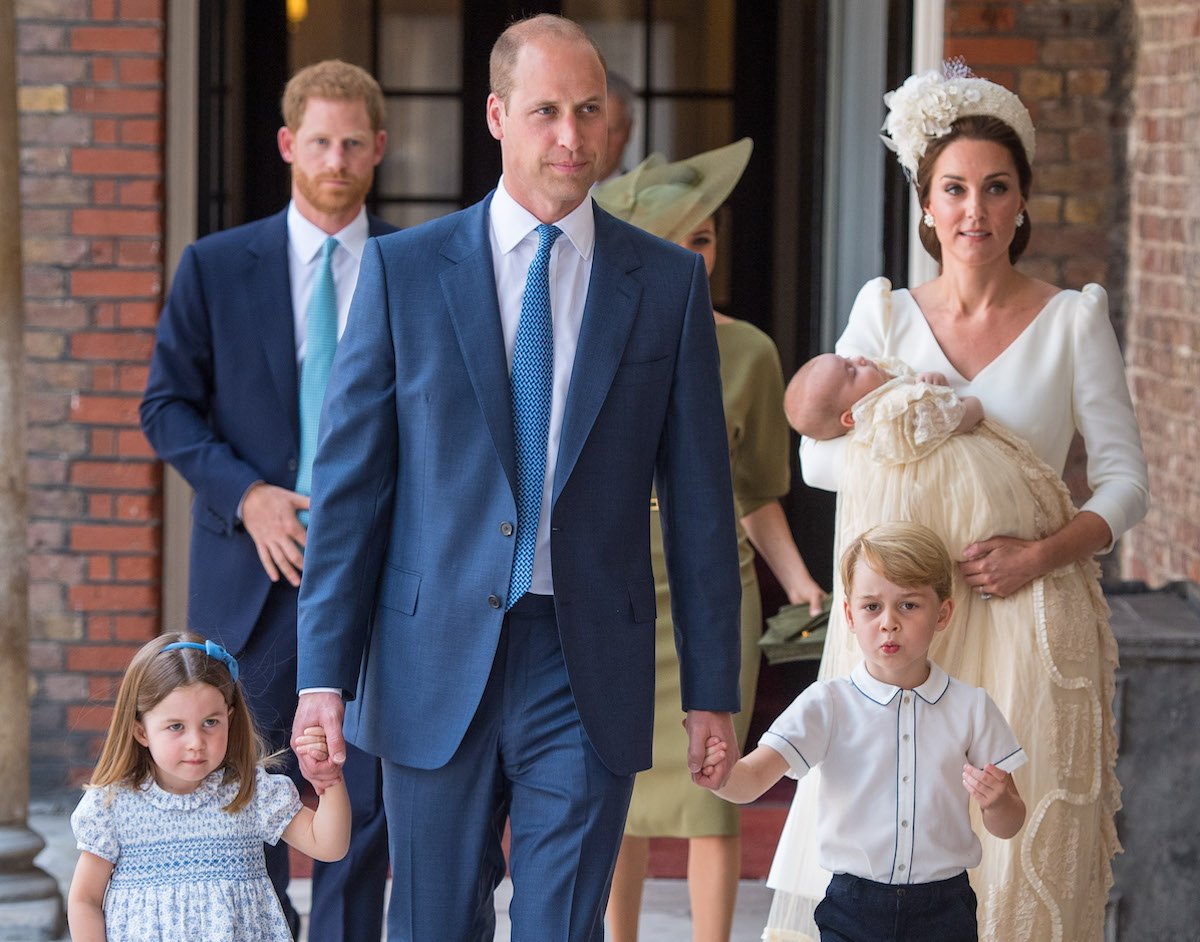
[
  {"x": 1001, "y": 566},
  {"x": 317, "y": 739},
  {"x": 269, "y": 516},
  {"x": 312, "y": 743},
  {"x": 710, "y": 770}
]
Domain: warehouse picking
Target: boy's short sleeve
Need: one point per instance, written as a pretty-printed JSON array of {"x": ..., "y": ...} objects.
[
  {"x": 993, "y": 741},
  {"x": 804, "y": 730},
  {"x": 93, "y": 825},
  {"x": 276, "y": 802}
]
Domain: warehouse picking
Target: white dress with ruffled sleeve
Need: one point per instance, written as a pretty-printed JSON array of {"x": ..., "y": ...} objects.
[{"x": 183, "y": 867}]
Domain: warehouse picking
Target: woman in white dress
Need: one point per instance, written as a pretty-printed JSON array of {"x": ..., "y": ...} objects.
[{"x": 1045, "y": 364}]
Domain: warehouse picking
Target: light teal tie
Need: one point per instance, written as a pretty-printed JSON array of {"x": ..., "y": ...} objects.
[
  {"x": 320, "y": 342},
  {"x": 532, "y": 380}
]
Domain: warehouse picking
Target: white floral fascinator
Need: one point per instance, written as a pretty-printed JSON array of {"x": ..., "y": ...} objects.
[{"x": 926, "y": 105}]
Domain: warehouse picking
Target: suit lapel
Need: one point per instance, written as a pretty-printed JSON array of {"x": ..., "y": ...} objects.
[
  {"x": 608, "y": 315},
  {"x": 269, "y": 288},
  {"x": 469, "y": 288}
]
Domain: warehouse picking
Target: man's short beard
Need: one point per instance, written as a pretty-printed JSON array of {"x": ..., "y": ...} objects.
[{"x": 310, "y": 189}]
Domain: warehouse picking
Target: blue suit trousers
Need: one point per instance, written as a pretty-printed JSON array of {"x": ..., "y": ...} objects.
[{"x": 525, "y": 758}]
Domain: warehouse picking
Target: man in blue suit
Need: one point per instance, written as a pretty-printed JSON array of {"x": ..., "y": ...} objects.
[
  {"x": 232, "y": 365},
  {"x": 477, "y": 580}
]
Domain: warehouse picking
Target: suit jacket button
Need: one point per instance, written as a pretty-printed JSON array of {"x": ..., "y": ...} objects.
[
  {"x": 506, "y": 528},
  {"x": 494, "y": 601},
  {"x": 293, "y": 464}
]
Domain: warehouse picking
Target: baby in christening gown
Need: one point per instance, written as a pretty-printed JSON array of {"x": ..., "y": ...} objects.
[{"x": 1037, "y": 652}]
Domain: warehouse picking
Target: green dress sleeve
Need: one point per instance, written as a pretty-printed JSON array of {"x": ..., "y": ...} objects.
[{"x": 759, "y": 440}]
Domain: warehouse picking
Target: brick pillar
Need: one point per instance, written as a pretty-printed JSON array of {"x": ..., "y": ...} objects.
[
  {"x": 30, "y": 904},
  {"x": 90, "y": 78},
  {"x": 1163, "y": 349}
]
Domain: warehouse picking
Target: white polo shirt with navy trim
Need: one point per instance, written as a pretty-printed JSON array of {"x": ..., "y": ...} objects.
[{"x": 891, "y": 806}]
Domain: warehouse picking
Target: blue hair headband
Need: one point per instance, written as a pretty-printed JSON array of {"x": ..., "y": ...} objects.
[{"x": 213, "y": 650}]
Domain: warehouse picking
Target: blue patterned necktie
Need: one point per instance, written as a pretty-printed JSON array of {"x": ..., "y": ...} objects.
[
  {"x": 532, "y": 379},
  {"x": 320, "y": 342}
]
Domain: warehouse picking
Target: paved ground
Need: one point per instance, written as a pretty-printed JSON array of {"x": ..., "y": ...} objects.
[{"x": 665, "y": 909}]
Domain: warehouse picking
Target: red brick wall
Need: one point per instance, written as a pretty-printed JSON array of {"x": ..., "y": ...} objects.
[
  {"x": 1163, "y": 349},
  {"x": 90, "y": 93},
  {"x": 1067, "y": 61}
]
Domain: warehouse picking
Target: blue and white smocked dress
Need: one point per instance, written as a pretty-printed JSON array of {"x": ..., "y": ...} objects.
[{"x": 182, "y": 867}]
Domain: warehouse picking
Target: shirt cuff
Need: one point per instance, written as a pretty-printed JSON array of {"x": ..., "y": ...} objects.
[
  {"x": 242, "y": 502},
  {"x": 337, "y": 690}
]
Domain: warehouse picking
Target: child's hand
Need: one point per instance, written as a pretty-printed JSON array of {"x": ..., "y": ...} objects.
[
  {"x": 933, "y": 379},
  {"x": 972, "y": 414},
  {"x": 715, "y": 751},
  {"x": 987, "y": 785},
  {"x": 312, "y": 743}
]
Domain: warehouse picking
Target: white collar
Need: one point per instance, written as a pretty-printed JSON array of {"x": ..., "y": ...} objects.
[
  {"x": 931, "y": 691},
  {"x": 307, "y": 238},
  {"x": 512, "y": 222}
]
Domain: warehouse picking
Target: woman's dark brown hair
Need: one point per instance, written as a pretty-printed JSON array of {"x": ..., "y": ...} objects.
[{"x": 975, "y": 128}]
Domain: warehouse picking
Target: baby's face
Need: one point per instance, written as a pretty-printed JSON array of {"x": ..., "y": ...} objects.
[{"x": 847, "y": 379}]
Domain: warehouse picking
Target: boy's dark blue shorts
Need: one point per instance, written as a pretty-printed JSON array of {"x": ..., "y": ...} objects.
[{"x": 858, "y": 910}]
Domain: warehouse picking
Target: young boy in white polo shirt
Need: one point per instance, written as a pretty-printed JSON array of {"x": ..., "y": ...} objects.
[{"x": 902, "y": 748}]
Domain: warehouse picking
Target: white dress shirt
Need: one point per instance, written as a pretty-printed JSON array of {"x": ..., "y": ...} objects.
[
  {"x": 305, "y": 241},
  {"x": 891, "y": 806},
  {"x": 304, "y": 257},
  {"x": 513, "y": 234}
]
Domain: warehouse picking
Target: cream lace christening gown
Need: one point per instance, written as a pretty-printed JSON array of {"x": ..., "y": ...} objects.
[{"x": 1045, "y": 655}]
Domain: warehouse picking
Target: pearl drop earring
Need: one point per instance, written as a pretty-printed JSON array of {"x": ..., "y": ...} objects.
[{"x": 928, "y": 220}]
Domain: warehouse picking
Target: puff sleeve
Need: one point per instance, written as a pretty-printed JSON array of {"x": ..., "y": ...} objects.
[
  {"x": 94, "y": 827},
  {"x": 865, "y": 335},
  {"x": 276, "y": 802}
]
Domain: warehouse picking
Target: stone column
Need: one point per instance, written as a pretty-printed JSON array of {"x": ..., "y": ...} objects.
[{"x": 30, "y": 904}]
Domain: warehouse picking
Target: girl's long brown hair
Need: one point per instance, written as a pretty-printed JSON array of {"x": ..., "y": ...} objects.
[{"x": 151, "y": 677}]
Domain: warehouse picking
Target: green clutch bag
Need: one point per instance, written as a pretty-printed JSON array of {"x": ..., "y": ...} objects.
[{"x": 794, "y": 635}]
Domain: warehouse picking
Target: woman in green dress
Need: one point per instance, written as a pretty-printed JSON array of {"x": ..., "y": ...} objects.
[{"x": 678, "y": 202}]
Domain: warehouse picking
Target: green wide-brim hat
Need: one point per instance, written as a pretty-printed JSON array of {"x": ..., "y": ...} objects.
[{"x": 670, "y": 200}]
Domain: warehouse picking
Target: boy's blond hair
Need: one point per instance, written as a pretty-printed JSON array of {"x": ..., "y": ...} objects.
[{"x": 905, "y": 554}]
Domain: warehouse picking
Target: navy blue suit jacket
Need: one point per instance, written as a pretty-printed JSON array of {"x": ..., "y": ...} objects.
[
  {"x": 410, "y": 549},
  {"x": 222, "y": 407}
]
